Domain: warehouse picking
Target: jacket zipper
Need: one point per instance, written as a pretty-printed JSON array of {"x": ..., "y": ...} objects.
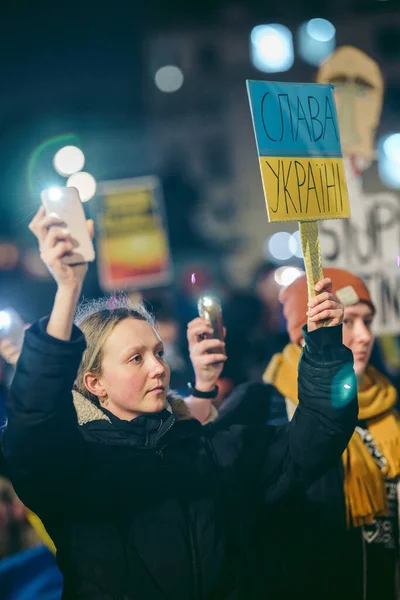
[
  {"x": 364, "y": 555},
  {"x": 193, "y": 553},
  {"x": 159, "y": 451},
  {"x": 195, "y": 565}
]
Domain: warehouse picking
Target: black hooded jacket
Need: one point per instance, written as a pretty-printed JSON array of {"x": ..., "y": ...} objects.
[{"x": 160, "y": 507}]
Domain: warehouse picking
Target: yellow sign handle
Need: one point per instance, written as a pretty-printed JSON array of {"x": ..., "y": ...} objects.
[{"x": 312, "y": 254}]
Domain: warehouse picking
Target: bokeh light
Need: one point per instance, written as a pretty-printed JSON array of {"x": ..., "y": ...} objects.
[
  {"x": 85, "y": 183},
  {"x": 316, "y": 41},
  {"x": 5, "y": 320},
  {"x": 41, "y": 161},
  {"x": 389, "y": 160},
  {"x": 295, "y": 244},
  {"x": 278, "y": 246},
  {"x": 272, "y": 48},
  {"x": 169, "y": 79},
  {"x": 68, "y": 160},
  {"x": 55, "y": 193},
  {"x": 320, "y": 30},
  {"x": 391, "y": 147},
  {"x": 344, "y": 387},
  {"x": 284, "y": 276}
]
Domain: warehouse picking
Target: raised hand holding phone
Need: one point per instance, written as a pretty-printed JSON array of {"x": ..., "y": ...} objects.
[
  {"x": 64, "y": 235},
  {"x": 207, "y": 354},
  {"x": 61, "y": 243},
  {"x": 206, "y": 336},
  {"x": 66, "y": 204}
]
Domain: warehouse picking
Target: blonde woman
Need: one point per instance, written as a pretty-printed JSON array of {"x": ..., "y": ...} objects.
[{"x": 141, "y": 501}]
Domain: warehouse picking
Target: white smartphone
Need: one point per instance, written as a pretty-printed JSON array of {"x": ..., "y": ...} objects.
[
  {"x": 12, "y": 327},
  {"x": 66, "y": 203}
]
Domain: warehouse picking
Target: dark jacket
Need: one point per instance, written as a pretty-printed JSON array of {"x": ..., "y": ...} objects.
[
  {"x": 161, "y": 507},
  {"x": 319, "y": 535},
  {"x": 306, "y": 545}
]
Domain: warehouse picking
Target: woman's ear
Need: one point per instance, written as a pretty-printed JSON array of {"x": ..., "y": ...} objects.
[{"x": 93, "y": 385}]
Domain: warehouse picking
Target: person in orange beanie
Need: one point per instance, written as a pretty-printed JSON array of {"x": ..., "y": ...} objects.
[{"x": 347, "y": 526}]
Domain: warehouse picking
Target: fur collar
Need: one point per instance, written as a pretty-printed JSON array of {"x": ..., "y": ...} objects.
[{"x": 87, "y": 411}]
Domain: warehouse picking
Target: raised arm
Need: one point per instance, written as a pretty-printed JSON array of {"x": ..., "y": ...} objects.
[
  {"x": 281, "y": 458},
  {"x": 54, "y": 243},
  {"x": 327, "y": 413},
  {"x": 42, "y": 429},
  {"x": 208, "y": 357}
]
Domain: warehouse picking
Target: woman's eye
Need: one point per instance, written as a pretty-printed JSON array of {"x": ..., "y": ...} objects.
[
  {"x": 361, "y": 92},
  {"x": 160, "y": 353}
]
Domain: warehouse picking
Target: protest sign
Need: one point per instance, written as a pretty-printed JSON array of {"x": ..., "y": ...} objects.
[
  {"x": 300, "y": 157},
  {"x": 299, "y": 151},
  {"x": 369, "y": 243},
  {"x": 133, "y": 250}
]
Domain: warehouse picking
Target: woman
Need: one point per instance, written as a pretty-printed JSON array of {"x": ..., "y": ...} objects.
[
  {"x": 353, "y": 510},
  {"x": 140, "y": 499},
  {"x": 346, "y": 526}
]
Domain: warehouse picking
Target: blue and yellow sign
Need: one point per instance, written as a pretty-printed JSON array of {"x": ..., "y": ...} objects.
[{"x": 299, "y": 149}]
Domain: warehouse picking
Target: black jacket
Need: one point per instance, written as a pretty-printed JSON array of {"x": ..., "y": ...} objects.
[
  {"x": 305, "y": 543},
  {"x": 161, "y": 507}
]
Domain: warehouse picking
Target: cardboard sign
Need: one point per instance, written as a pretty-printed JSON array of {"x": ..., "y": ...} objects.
[
  {"x": 368, "y": 245},
  {"x": 133, "y": 250},
  {"x": 358, "y": 85},
  {"x": 299, "y": 151}
]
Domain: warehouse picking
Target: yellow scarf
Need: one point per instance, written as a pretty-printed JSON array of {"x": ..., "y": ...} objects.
[
  {"x": 41, "y": 531},
  {"x": 364, "y": 484}
]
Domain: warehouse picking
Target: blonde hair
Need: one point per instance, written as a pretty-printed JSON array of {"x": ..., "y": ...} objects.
[{"x": 97, "y": 319}]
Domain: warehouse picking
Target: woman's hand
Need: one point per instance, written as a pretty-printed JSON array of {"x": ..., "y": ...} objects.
[
  {"x": 207, "y": 355},
  {"x": 325, "y": 310},
  {"x": 54, "y": 243}
]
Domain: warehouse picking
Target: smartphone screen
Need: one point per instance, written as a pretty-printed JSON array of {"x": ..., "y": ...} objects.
[
  {"x": 210, "y": 309},
  {"x": 66, "y": 203}
]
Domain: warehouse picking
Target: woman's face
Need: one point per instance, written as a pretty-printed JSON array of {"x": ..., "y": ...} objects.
[
  {"x": 135, "y": 376},
  {"x": 357, "y": 334}
]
